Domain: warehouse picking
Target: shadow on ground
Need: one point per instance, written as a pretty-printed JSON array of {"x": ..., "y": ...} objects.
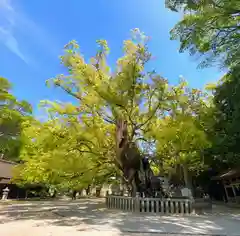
[{"x": 92, "y": 214}]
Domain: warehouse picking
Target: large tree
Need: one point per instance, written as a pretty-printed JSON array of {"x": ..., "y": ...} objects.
[
  {"x": 129, "y": 92},
  {"x": 209, "y": 28},
  {"x": 102, "y": 96}
]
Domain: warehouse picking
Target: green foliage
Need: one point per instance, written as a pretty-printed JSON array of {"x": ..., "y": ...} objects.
[
  {"x": 226, "y": 119},
  {"x": 181, "y": 141},
  {"x": 12, "y": 114},
  {"x": 64, "y": 153},
  {"x": 102, "y": 97},
  {"x": 180, "y": 136},
  {"x": 210, "y": 29},
  {"x": 126, "y": 92},
  {"x": 76, "y": 147}
]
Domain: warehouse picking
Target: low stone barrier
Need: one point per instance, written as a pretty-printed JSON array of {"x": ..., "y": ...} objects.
[
  {"x": 150, "y": 205},
  {"x": 202, "y": 205}
]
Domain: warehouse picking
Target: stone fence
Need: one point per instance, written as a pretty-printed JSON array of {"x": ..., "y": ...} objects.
[{"x": 150, "y": 205}]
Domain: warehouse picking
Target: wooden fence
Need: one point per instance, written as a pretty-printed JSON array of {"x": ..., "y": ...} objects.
[{"x": 150, "y": 205}]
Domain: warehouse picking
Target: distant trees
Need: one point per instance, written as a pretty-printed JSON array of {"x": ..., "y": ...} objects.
[
  {"x": 226, "y": 118},
  {"x": 209, "y": 29},
  {"x": 12, "y": 114},
  {"x": 180, "y": 136}
]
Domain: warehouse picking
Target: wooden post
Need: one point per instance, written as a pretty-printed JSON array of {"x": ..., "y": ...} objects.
[
  {"x": 234, "y": 192},
  {"x": 224, "y": 185},
  {"x": 26, "y": 194},
  {"x": 106, "y": 199}
]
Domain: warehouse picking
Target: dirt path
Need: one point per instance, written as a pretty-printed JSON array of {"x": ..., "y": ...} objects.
[{"x": 90, "y": 218}]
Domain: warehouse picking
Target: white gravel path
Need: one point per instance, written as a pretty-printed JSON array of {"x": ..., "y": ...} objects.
[{"x": 90, "y": 218}]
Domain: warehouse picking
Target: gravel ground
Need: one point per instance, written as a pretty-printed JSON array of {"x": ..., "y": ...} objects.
[{"x": 90, "y": 218}]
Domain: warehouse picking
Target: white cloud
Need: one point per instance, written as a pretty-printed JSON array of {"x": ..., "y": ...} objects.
[
  {"x": 5, "y": 4},
  {"x": 14, "y": 24},
  {"x": 11, "y": 43},
  {"x": 7, "y": 25}
]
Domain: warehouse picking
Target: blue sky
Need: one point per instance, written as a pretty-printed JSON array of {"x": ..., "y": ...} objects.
[{"x": 33, "y": 33}]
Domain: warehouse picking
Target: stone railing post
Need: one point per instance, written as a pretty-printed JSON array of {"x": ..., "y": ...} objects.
[
  {"x": 137, "y": 202},
  {"x": 191, "y": 203},
  {"x": 107, "y": 199},
  {"x": 154, "y": 205}
]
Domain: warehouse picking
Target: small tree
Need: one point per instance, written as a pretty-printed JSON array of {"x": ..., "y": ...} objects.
[{"x": 180, "y": 135}]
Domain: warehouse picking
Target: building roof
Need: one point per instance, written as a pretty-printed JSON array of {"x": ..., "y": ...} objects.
[
  {"x": 6, "y": 168},
  {"x": 233, "y": 173},
  {"x": 5, "y": 181}
]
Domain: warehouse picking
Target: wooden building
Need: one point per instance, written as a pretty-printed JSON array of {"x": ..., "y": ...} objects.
[
  {"x": 6, "y": 173},
  {"x": 231, "y": 183}
]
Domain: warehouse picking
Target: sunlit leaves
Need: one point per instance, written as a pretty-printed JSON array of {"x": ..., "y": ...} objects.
[
  {"x": 180, "y": 136},
  {"x": 77, "y": 145},
  {"x": 226, "y": 118},
  {"x": 210, "y": 29},
  {"x": 12, "y": 114},
  {"x": 122, "y": 92},
  {"x": 64, "y": 153}
]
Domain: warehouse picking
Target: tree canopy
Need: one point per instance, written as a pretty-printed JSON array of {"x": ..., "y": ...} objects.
[
  {"x": 128, "y": 91},
  {"x": 225, "y": 119},
  {"x": 180, "y": 136},
  {"x": 77, "y": 144},
  {"x": 181, "y": 129},
  {"x": 209, "y": 29},
  {"x": 102, "y": 97},
  {"x": 65, "y": 153},
  {"x": 12, "y": 113}
]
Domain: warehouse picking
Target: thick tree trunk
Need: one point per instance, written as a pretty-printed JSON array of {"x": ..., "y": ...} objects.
[
  {"x": 134, "y": 188},
  {"x": 187, "y": 178},
  {"x": 74, "y": 194},
  {"x": 88, "y": 190},
  {"x": 98, "y": 191},
  {"x": 188, "y": 191},
  {"x": 131, "y": 182}
]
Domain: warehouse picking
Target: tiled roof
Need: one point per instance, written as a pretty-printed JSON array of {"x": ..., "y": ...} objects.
[
  {"x": 6, "y": 169},
  {"x": 229, "y": 174}
]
